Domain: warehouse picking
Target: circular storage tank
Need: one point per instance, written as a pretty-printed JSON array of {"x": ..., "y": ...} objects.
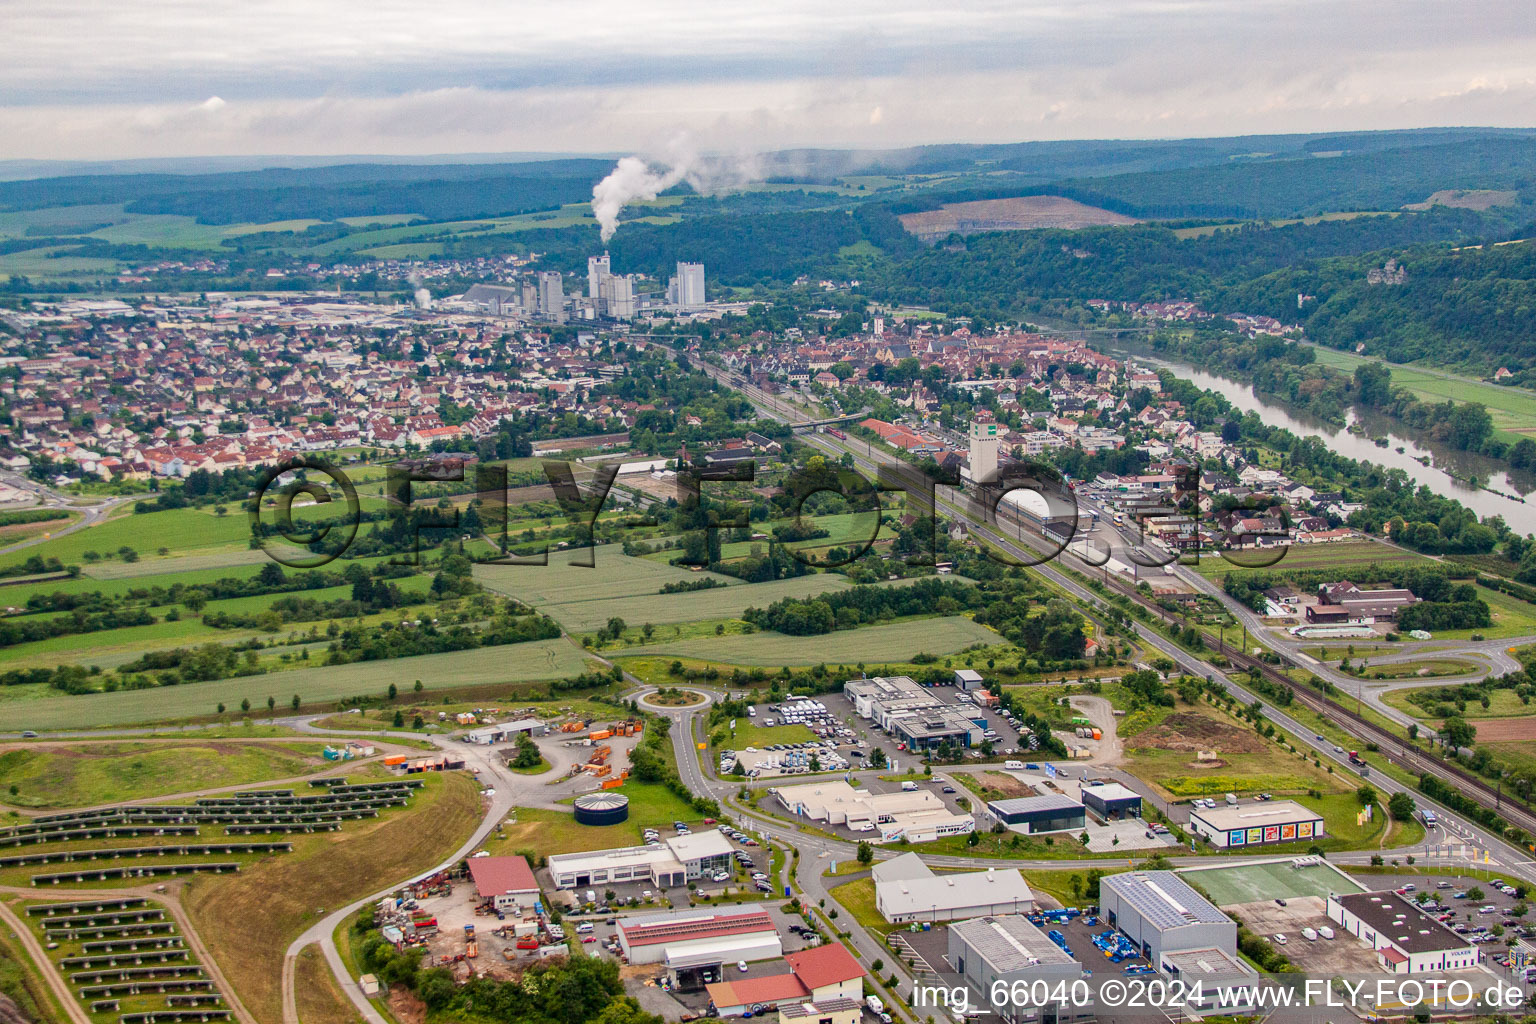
[{"x": 602, "y": 809}]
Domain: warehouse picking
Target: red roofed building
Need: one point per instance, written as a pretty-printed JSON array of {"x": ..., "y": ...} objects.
[
  {"x": 827, "y": 971},
  {"x": 504, "y": 881},
  {"x": 822, "y": 973}
]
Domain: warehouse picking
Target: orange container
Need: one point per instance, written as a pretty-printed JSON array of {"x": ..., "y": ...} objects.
[{"x": 395, "y": 759}]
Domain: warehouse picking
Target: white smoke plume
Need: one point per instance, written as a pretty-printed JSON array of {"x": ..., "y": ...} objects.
[
  {"x": 634, "y": 178},
  {"x": 423, "y": 296}
]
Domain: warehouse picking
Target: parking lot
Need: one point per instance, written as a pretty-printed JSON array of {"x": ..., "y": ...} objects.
[
  {"x": 1467, "y": 916},
  {"x": 1343, "y": 954}
]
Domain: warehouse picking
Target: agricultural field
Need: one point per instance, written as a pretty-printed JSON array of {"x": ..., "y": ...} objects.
[
  {"x": 1513, "y": 409},
  {"x": 86, "y": 774},
  {"x": 248, "y": 919},
  {"x": 1344, "y": 555},
  {"x": 536, "y": 660},
  {"x": 896, "y": 641}
]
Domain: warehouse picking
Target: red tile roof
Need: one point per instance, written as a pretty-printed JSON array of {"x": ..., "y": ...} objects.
[
  {"x": 497, "y": 875},
  {"x": 824, "y": 965},
  {"x": 771, "y": 989}
]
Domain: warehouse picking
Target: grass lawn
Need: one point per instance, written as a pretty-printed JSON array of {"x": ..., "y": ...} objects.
[
  {"x": 19, "y": 979},
  {"x": 1501, "y": 704},
  {"x": 248, "y": 919},
  {"x": 1426, "y": 669},
  {"x": 895, "y": 641},
  {"x": 319, "y": 999},
  {"x": 749, "y": 735},
  {"x": 536, "y": 660},
  {"x": 1511, "y": 617},
  {"x": 858, "y": 898},
  {"x": 99, "y": 773},
  {"x": 545, "y": 831}
]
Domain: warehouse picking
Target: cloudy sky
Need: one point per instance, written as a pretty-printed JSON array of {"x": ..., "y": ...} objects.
[{"x": 89, "y": 79}]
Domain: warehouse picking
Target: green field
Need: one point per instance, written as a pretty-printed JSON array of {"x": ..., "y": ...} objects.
[
  {"x": 582, "y": 598},
  {"x": 750, "y": 735},
  {"x": 546, "y": 831},
  {"x": 98, "y": 773},
  {"x": 1513, "y": 409},
  {"x": 1248, "y": 883},
  {"x": 1342, "y": 555},
  {"x": 540, "y": 659},
  {"x": 895, "y": 641}
]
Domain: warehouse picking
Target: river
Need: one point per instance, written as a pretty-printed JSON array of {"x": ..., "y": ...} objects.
[{"x": 1447, "y": 470}]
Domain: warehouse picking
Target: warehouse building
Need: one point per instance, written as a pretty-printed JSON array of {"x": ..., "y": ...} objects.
[
  {"x": 1112, "y": 801},
  {"x": 506, "y": 732},
  {"x": 1163, "y": 915},
  {"x": 906, "y": 890},
  {"x": 1031, "y": 815},
  {"x": 1406, "y": 940},
  {"x": 1277, "y": 821},
  {"x": 986, "y": 951},
  {"x": 672, "y": 862},
  {"x": 504, "y": 882},
  {"x": 919, "y": 815},
  {"x": 694, "y": 945}
]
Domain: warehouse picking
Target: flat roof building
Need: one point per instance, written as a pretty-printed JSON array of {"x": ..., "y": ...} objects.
[
  {"x": 918, "y": 815},
  {"x": 1255, "y": 824},
  {"x": 1406, "y": 940},
  {"x": 694, "y": 944},
  {"x": 1163, "y": 914},
  {"x": 908, "y": 891},
  {"x": 673, "y": 862},
  {"x": 506, "y": 731},
  {"x": 933, "y": 727},
  {"x": 986, "y": 951},
  {"x": 1111, "y": 801},
  {"x": 1031, "y": 815}
]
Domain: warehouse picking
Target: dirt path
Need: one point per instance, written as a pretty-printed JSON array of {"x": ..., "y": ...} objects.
[
  {"x": 1101, "y": 713},
  {"x": 51, "y": 977}
]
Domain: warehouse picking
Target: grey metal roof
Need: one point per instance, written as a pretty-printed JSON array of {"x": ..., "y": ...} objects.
[
  {"x": 1009, "y": 943},
  {"x": 1163, "y": 898},
  {"x": 1025, "y": 804}
]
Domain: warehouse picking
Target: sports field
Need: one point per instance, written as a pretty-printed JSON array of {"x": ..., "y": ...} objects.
[
  {"x": 539, "y": 659},
  {"x": 1276, "y": 879},
  {"x": 896, "y": 641}
]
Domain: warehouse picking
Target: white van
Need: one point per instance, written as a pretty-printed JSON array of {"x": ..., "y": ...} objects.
[
  {"x": 1325, "y": 932},
  {"x": 1231, "y": 798},
  {"x": 1310, "y": 934},
  {"x": 1014, "y": 766},
  {"x": 751, "y": 711},
  {"x": 908, "y": 787}
]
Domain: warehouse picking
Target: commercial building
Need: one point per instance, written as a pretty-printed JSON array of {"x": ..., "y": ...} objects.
[
  {"x": 504, "y": 882},
  {"x": 1218, "y": 983},
  {"x": 986, "y": 951},
  {"x": 935, "y": 727},
  {"x": 969, "y": 679},
  {"x": 1255, "y": 824},
  {"x": 1406, "y": 940},
  {"x": 906, "y": 890},
  {"x": 915, "y": 714},
  {"x": 672, "y": 862},
  {"x": 506, "y": 731},
  {"x": 1162, "y": 914},
  {"x": 824, "y": 975},
  {"x": 1030, "y": 815},
  {"x": 1112, "y": 801},
  {"x": 918, "y": 815},
  {"x": 694, "y": 944}
]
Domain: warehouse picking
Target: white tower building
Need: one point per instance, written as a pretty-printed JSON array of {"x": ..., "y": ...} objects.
[{"x": 984, "y": 443}]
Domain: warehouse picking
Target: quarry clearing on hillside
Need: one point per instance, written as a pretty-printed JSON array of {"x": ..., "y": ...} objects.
[{"x": 1021, "y": 213}]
